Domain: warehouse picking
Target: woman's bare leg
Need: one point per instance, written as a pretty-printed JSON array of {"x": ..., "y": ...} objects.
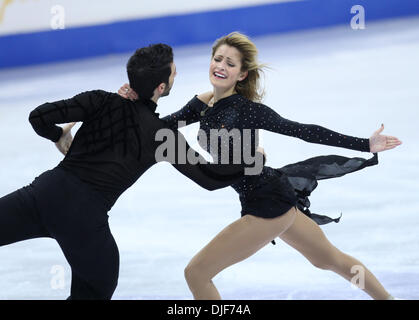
[
  {"x": 235, "y": 243},
  {"x": 307, "y": 237}
]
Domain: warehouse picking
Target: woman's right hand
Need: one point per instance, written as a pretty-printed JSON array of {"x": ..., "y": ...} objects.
[{"x": 126, "y": 92}]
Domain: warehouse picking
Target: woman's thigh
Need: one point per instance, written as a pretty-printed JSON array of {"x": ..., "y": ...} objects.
[
  {"x": 309, "y": 239},
  {"x": 238, "y": 241}
]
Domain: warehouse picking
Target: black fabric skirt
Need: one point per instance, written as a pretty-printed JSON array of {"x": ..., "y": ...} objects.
[{"x": 292, "y": 184}]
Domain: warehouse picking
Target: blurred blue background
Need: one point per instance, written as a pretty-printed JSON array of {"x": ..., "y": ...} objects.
[{"x": 40, "y": 31}]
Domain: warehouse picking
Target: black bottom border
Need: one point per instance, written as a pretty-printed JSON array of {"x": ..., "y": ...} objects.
[{"x": 225, "y": 309}]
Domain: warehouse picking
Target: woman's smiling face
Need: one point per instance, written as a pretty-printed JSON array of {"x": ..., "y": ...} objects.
[{"x": 225, "y": 68}]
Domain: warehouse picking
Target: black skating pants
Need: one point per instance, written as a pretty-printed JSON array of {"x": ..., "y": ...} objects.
[{"x": 60, "y": 206}]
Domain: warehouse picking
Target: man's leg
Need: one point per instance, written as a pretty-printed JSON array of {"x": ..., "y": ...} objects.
[
  {"x": 19, "y": 219},
  {"x": 90, "y": 249},
  {"x": 95, "y": 267},
  {"x": 76, "y": 217}
]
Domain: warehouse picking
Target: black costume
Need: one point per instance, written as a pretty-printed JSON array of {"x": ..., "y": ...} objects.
[
  {"x": 114, "y": 146},
  {"x": 274, "y": 191}
]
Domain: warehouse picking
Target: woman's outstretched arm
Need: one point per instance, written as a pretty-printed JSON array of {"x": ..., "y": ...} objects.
[{"x": 259, "y": 116}]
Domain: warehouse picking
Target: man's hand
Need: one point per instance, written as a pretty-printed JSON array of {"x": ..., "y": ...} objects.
[
  {"x": 126, "y": 92},
  {"x": 66, "y": 139}
]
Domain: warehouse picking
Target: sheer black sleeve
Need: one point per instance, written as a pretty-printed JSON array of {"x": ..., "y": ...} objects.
[
  {"x": 44, "y": 119},
  {"x": 208, "y": 175},
  {"x": 190, "y": 113},
  {"x": 259, "y": 116}
]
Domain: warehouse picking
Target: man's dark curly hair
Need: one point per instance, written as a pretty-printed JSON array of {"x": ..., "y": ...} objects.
[{"x": 148, "y": 67}]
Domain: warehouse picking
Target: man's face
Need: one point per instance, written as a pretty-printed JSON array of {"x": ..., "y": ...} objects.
[{"x": 171, "y": 81}]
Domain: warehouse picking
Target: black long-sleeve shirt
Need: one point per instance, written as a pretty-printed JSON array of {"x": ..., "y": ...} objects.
[
  {"x": 237, "y": 112},
  {"x": 117, "y": 143}
]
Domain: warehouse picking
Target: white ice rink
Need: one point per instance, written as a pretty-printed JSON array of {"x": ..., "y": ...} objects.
[{"x": 346, "y": 80}]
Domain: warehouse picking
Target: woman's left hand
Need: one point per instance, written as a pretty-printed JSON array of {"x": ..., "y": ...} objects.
[{"x": 379, "y": 142}]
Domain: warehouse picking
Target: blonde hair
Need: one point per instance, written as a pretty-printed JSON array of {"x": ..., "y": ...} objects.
[{"x": 250, "y": 86}]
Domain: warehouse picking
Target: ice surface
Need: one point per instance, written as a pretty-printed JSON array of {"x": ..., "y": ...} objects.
[{"x": 346, "y": 80}]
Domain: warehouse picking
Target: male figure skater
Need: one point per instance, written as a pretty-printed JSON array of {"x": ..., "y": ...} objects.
[{"x": 114, "y": 146}]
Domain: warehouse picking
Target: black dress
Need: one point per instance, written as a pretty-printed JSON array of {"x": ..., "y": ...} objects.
[{"x": 273, "y": 192}]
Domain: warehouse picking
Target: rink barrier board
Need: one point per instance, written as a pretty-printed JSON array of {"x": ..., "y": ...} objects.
[{"x": 188, "y": 29}]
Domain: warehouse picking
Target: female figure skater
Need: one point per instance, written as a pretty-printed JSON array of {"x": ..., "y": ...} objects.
[{"x": 274, "y": 202}]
